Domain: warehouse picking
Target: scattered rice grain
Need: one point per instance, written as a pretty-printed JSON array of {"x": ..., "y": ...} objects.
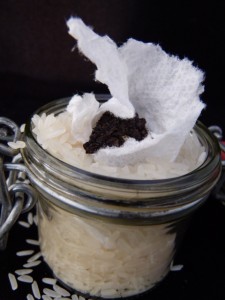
[
  {"x": 51, "y": 293},
  {"x": 61, "y": 290},
  {"x": 75, "y": 297},
  {"x": 30, "y": 218},
  {"x": 23, "y": 271},
  {"x": 32, "y": 242},
  {"x": 25, "y": 278},
  {"x": 13, "y": 281},
  {"x": 175, "y": 268},
  {"x": 36, "y": 290},
  {"x": 50, "y": 281},
  {"x": 24, "y": 224},
  {"x": 34, "y": 257},
  {"x": 32, "y": 264},
  {"x": 30, "y": 297},
  {"x": 24, "y": 252},
  {"x": 46, "y": 297}
]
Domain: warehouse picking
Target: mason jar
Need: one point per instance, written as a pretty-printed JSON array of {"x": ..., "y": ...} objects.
[{"x": 113, "y": 237}]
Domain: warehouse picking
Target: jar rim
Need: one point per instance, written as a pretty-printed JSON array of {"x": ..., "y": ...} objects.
[
  {"x": 209, "y": 163},
  {"x": 122, "y": 199}
]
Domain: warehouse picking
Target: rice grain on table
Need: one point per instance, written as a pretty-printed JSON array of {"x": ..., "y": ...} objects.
[
  {"x": 75, "y": 297},
  {"x": 61, "y": 290},
  {"x": 51, "y": 293},
  {"x": 46, "y": 297},
  {"x": 33, "y": 242},
  {"x": 34, "y": 257},
  {"x": 13, "y": 281},
  {"x": 30, "y": 297},
  {"x": 30, "y": 218},
  {"x": 50, "y": 281},
  {"x": 24, "y": 252},
  {"x": 36, "y": 290},
  {"x": 24, "y": 224},
  {"x": 32, "y": 264},
  {"x": 23, "y": 271},
  {"x": 25, "y": 278},
  {"x": 175, "y": 268}
]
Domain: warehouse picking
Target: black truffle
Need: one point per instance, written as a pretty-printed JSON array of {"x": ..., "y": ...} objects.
[{"x": 112, "y": 131}]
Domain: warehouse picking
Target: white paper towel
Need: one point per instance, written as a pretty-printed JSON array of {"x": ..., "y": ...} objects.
[{"x": 142, "y": 78}]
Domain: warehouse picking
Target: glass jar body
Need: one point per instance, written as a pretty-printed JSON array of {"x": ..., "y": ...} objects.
[
  {"x": 113, "y": 237},
  {"x": 102, "y": 258}
]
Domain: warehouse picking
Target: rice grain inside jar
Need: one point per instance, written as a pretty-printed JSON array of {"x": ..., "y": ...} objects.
[{"x": 112, "y": 237}]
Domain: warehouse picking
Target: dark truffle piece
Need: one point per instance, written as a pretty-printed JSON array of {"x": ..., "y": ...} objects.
[{"x": 112, "y": 131}]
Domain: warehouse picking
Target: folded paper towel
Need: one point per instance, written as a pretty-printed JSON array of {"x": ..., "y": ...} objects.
[{"x": 141, "y": 78}]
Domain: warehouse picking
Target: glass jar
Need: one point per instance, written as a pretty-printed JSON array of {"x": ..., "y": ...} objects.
[{"x": 111, "y": 237}]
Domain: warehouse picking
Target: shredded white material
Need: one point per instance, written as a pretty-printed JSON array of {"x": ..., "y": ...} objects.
[
  {"x": 142, "y": 78},
  {"x": 99, "y": 258},
  {"x": 17, "y": 145}
]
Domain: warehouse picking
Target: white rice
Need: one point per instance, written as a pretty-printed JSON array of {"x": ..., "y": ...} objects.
[
  {"x": 50, "y": 281},
  {"x": 75, "y": 297},
  {"x": 61, "y": 291},
  {"x": 30, "y": 218},
  {"x": 51, "y": 293},
  {"x": 36, "y": 290},
  {"x": 34, "y": 257},
  {"x": 13, "y": 281},
  {"x": 57, "y": 292},
  {"x": 46, "y": 297},
  {"x": 98, "y": 257},
  {"x": 30, "y": 297},
  {"x": 32, "y": 242},
  {"x": 175, "y": 268},
  {"x": 24, "y": 224},
  {"x": 24, "y": 252},
  {"x": 25, "y": 278},
  {"x": 32, "y": 264},
  {"x": 23, "y": 271}
]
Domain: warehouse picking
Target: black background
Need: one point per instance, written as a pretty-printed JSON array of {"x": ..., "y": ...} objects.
[{"x": 37, "y": 66}]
